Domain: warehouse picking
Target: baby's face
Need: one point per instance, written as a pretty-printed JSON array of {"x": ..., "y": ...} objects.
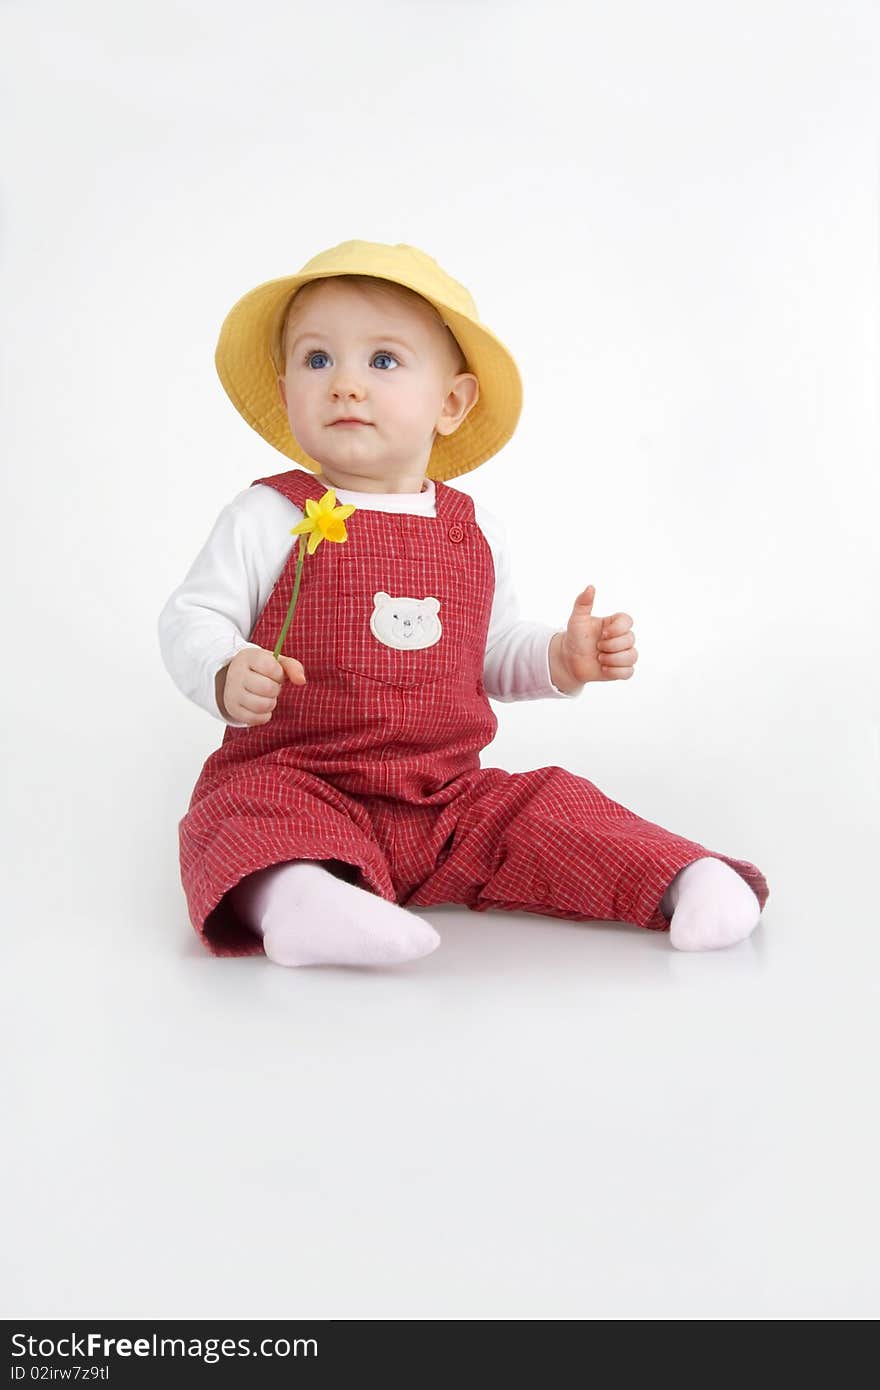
[{"x": 355, "y": 353}]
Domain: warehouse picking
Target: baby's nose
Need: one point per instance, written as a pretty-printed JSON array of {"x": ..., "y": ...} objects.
[{"x": 347, "y": 385}]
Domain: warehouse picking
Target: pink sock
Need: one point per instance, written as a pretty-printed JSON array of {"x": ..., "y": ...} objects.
[
  {"x": 710, "y": 905},
  {"x": 308, "y": 916}
]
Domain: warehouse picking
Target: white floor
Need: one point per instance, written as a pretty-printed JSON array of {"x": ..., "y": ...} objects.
[{"x": 541, "y": 1120}]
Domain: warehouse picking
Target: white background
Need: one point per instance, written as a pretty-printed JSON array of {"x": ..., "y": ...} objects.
[{"x": 669, "y": 213}]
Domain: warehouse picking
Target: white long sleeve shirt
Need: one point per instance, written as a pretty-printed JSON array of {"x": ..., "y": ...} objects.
[{"x": 211, "y": 614}]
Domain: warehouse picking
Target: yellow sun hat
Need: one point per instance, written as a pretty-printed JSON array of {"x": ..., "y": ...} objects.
[{"x": 251, "y": 335}]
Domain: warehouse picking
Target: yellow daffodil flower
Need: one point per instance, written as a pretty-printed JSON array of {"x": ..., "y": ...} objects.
[{"x": 323, "y": 521}]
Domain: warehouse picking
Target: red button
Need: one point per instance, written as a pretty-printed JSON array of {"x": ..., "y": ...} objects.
[{"x": 456, "y": 533}]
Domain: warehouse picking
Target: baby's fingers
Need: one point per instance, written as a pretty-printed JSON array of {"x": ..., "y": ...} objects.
[
  {"x": 293, "y": 669},
  {"x": 618, "y": 625},
  {"x": 618, "y": 665},
  {"x": 257, "y": 709},
  {"x": 255, "y": 684},
  {"x": 616, "y": 644}
]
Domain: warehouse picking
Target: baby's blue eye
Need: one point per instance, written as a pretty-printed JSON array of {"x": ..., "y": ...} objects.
[
  {"x": 315, "y": 354},
  {"x": 389, "y": 355}
]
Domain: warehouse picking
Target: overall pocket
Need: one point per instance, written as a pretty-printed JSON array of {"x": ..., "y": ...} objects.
[{"x": 407, "y": 627}]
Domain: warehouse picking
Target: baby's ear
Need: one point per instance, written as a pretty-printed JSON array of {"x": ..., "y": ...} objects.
[{"x": 462, "y": 397}]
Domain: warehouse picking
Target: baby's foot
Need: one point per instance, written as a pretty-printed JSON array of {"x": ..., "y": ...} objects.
[
  {"x": 308, "y": 916},
  {"x": 710, "y": 905}
]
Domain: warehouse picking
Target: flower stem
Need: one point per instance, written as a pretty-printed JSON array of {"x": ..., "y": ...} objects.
[{"x": 299, "y": 564}]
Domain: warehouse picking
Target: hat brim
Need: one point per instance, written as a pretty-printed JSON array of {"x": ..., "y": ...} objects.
[{"x": 249, "y": 375}]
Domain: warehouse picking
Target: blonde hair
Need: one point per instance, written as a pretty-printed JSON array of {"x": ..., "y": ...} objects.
[{"x": 372, "y": 282}]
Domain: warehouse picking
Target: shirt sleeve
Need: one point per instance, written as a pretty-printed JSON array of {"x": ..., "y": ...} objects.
[
  {"x": 211, "y": 614},
  {"x": 517, "y": 660}
]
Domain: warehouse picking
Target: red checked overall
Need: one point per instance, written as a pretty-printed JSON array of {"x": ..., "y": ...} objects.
[{"x": 374, "y": 762}]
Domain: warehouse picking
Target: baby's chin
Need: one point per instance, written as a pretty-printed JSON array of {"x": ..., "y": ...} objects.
[
  {"x": 346, "y": 444},
  {"x": 363, "y": 461}
]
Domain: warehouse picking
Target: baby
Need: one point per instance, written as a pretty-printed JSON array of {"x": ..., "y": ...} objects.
[{"x": 348, "y": 786}]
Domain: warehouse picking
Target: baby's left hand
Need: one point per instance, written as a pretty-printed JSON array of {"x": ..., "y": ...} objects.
[{"x": 598, "y": 649}]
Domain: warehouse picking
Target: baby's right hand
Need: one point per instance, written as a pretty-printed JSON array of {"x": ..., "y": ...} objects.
[{"x": 248, "y": 688}]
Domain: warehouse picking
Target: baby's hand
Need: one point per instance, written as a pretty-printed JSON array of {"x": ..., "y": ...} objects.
[
  {"x": 597, "y": 649},
  {"x": 248, "y": 688}
]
